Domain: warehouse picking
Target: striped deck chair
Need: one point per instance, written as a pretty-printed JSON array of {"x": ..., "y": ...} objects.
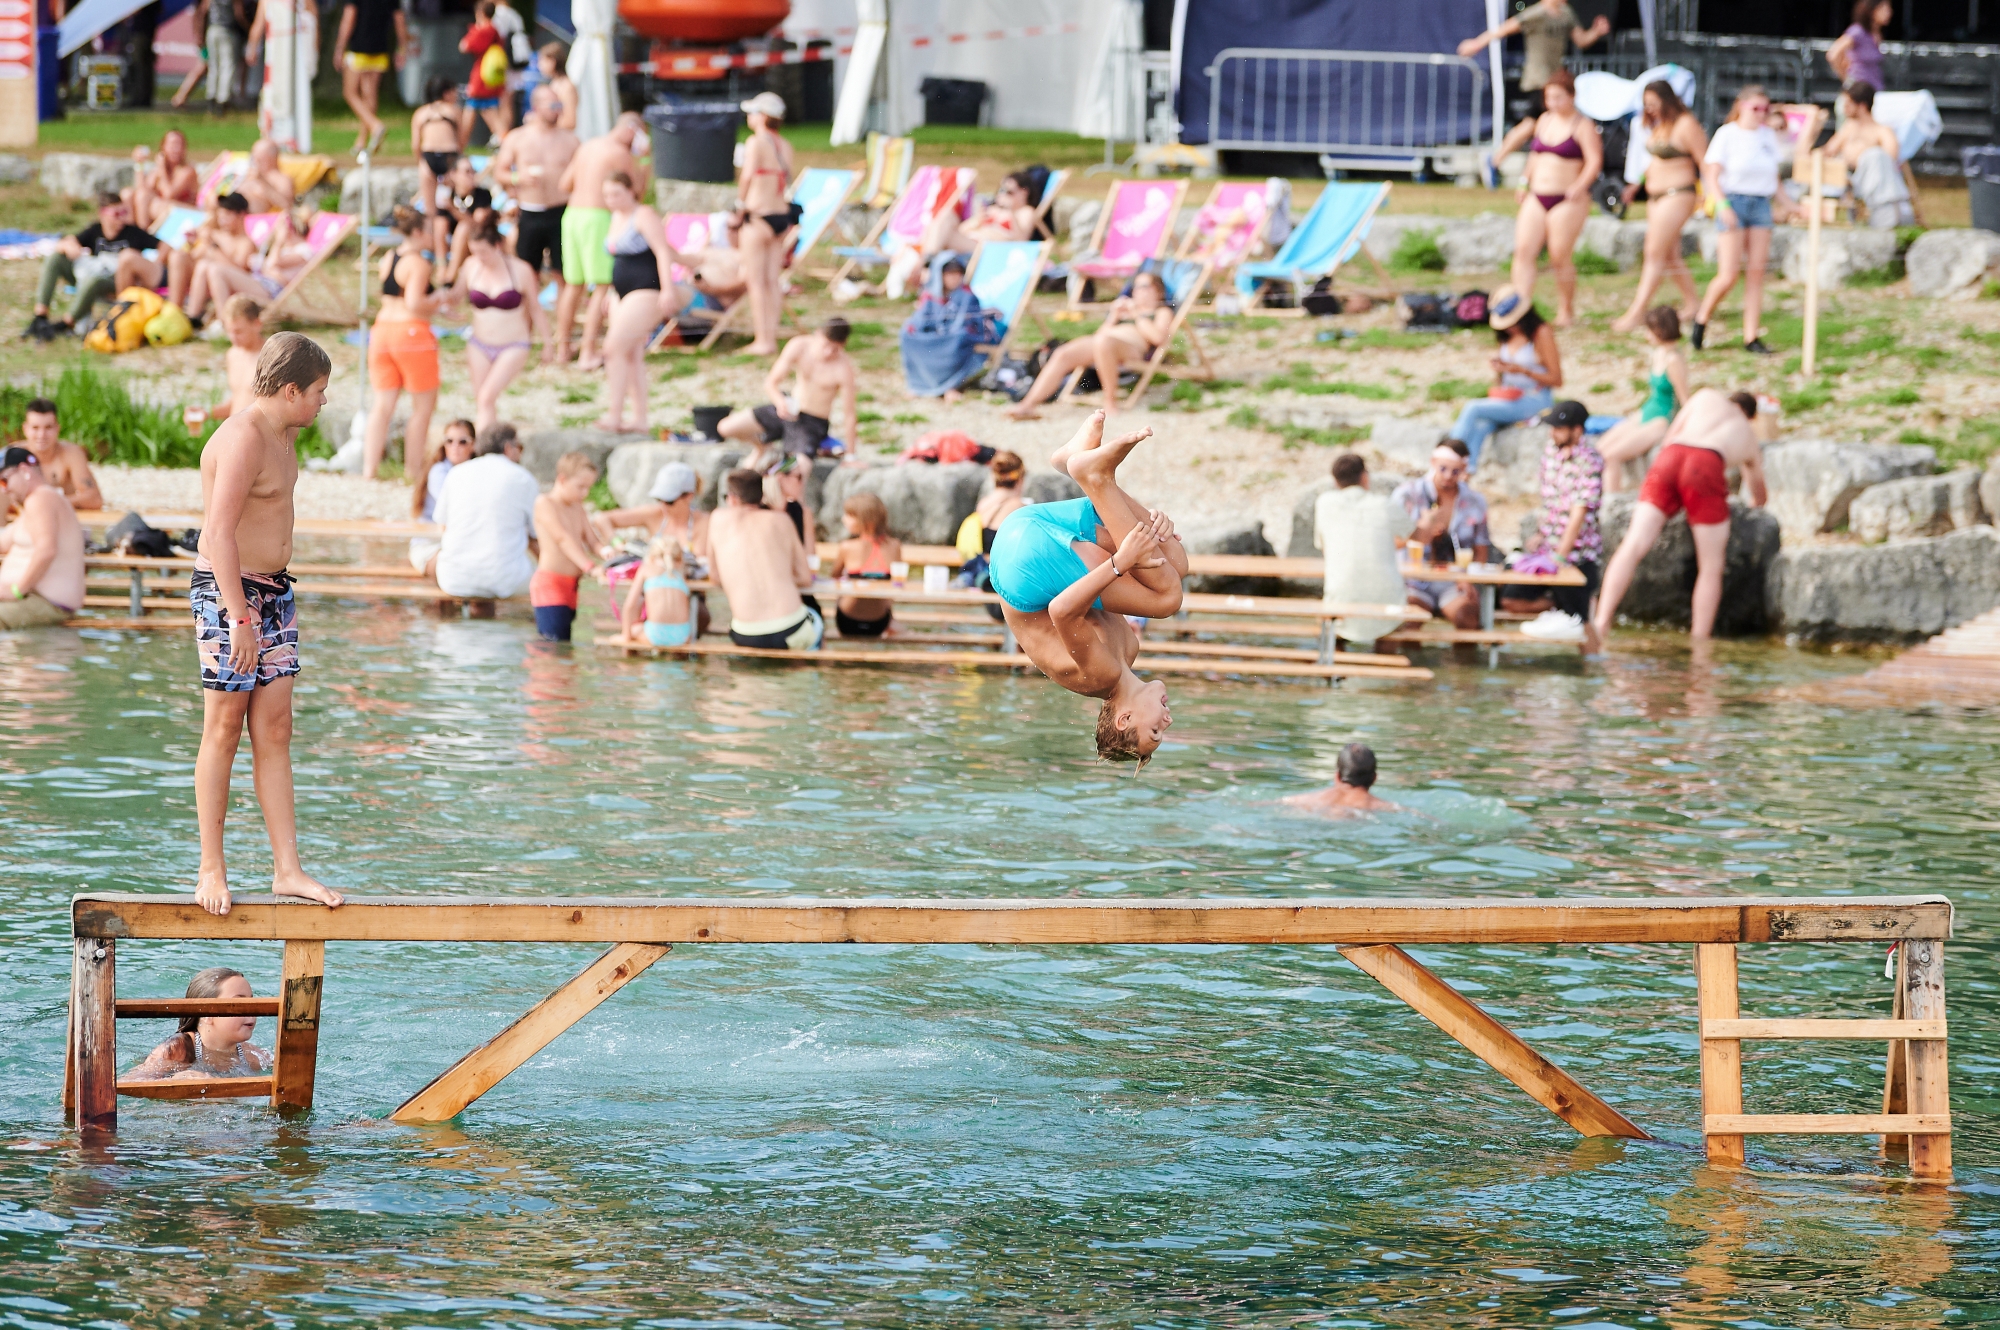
[
  {"x": 889, "y": 163},
  {"x": 322, "y": 236},
  {"x": 1052, "y": 189},
  {"x": 931, "y": 190},
  {"x": 1329, "y": 236},
  {"x": 1229, "y": 225},
  {"x": 1003, "y": 274},
  {"x": 1136, "y": 224},
  {"x": 1185, "y": 279}
]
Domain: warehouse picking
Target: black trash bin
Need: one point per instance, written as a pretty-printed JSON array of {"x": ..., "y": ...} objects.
[
  {"x": 1982, "y": 181},
  {"x": 952, "y": 101},
  {"x": 694, "y": 140}
]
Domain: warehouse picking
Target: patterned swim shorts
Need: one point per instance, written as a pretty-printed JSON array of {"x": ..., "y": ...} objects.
[{"x": 277, "y": 613}]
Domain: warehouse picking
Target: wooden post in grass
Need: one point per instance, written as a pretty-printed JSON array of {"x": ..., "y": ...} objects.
[{"x": 1811, "y": 351}]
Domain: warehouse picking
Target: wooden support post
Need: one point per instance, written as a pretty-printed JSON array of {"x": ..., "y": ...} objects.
[
  {"x": 1922, "y": 982},
  {"x": 486, "y": 1066},
  {"x": 1895, "y": 1078},
  {"x": 93, "y": 1015},
  {"x": 298, "y": 1026},
  {"x": 1809, "y": 353},
  {"x": 1721, "y": 1059},
  {"x": 1493, "y": 1043}
]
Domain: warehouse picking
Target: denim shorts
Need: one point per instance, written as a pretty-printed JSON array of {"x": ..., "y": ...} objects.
[{"x": 1752, "y": 210}]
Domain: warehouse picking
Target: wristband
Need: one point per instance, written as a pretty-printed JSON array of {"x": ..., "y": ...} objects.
[
  {"x": 245, "y": 619},
  {"x": 1114, "y": 568}
]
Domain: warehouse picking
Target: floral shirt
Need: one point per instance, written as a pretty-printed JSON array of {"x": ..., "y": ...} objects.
[{"x": 1571, "y": 476}]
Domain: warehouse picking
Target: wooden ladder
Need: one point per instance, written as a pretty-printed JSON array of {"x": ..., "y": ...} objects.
[{"x": 1916, "y": 1096}]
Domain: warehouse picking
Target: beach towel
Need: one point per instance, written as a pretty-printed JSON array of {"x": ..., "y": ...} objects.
[{"x": 941, "y": 341}]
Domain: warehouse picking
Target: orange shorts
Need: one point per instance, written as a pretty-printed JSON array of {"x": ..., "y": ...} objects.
[{"x": 403, "y": 356}]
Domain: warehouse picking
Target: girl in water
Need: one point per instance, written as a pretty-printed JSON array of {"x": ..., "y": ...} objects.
[
  {"x": 208, "y": 1045},
  {"x": 1675, "y": 145},
  {"x": 769, "y": 217},
  {"x": 867, "y": 555},
  {"x": 1067, "y": 573},
  {"x": 661, "y": 588},
  {"x": 1133, "y": 333},
  {"x": 506, "y": 318},
  {"x": 402, "y": 349},
  {"x": 641, "y": 258},
  {"x": 1564, "y": 158},
  {"x": 1666, "y": 389}
]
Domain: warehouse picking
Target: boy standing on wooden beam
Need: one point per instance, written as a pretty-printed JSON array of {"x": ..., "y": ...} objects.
[{"x": 246, "y": 620}]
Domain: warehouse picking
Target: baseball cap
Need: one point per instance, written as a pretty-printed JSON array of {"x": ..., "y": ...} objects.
[
  {"x": 1568, "y": 415},
  {"x": 16, "y": 456},
  {"x": 674, "y": 480},
  {"x": 766, "y": 103}
]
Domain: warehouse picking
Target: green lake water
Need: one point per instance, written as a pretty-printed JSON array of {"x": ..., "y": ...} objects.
[{"x": 966, "y": 1136}]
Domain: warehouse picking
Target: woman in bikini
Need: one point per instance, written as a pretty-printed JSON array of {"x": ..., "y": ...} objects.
[
  {"x": 1133, "y": 333},
  {"x": 434, "y": 138},
  {"x": 640, "y": 258},
  {"x": 1067, "y": 574},
  {"x": 1675, "y": 143},
  {"x": 169, "y": 182},
  {"x": 506, "y": 318},
  {"x": 866, "y": 555},
  {"x": 1009, "y": 217},
  {"x": 1564, "y": 158},
  {"x": 769, "y": 217},
  {"x": 402, "y": 349},
  {"x": 208, "y": 1046}
]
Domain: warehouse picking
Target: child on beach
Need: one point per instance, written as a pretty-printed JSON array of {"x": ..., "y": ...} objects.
[
  {"x": 1666, "y": 388},
  {"x": 243, "y": 319},
  {"x": 662, "y": 582},
  {"x": 562, "y": 532},
  {"x": 866, "y": 555},
  {"x": 208, "y": 1045},
  {"x": 1067, "y": 572},
  {"x": 246, "y": 621}
]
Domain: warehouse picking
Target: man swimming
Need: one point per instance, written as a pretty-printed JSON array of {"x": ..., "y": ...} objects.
[
  {"x": 1066, "y": 573},
  {"x": 1352, "y": 790}
]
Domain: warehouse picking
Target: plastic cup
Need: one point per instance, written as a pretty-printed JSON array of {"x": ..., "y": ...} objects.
[
  {"x": 937, "y": 578},
  {"x": 1414, "y": 553},
  {"x": 1463, "y": 556},
  {"x": 194, "y": 418},
  {"x": 899, "y": 573}
]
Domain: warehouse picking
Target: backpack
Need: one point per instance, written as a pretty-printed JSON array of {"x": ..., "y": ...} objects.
[
  {"x": 493, "y": 66},
  {"x": 1425, "y": 312},
  {"x": 1321, "y": 300},
  {"x": 123, "y": 328},
  {"x": 170, "y": 327},
  {"x": 1471, "y": 311}
]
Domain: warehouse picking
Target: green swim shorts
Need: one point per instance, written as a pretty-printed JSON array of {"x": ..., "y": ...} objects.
[{"x": 585, "y": 261}]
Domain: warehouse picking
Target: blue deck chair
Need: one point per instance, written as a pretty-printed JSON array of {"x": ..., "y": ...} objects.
[
  {"x": 1185, "y": 280},
  {"x": 1330, "y": 235},
  {"x": 821, "y": 191},
  {"x": 1003, "y": 274}
]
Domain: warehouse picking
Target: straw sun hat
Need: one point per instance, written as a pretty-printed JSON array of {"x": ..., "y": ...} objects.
[{"x": 1507, "y": 308}]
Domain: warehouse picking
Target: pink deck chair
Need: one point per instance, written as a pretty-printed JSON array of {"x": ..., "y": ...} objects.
[
  {"x": 1228, "y": 225},
  {"x": 323, "y": 235},
  {"x": 1135, "y": 225},
  {"x": 931, "y": 190}
]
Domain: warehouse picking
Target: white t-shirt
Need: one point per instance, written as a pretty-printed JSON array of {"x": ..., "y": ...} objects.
[
  {"x": 1358, "y": 532},
  {"x": 513, "y": 30},
  {"x": 487, "y": 510},
  {"x": 1749, "y": 159}
]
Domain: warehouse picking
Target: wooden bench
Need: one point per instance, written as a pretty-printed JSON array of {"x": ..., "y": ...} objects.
[{"x": 1370, "y": 933}]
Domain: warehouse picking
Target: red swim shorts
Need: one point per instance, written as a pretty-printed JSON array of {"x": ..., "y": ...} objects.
[
  {"x": 1687, "y": 477},
  {"x": 552, "y": 589},
  {"x": 404, "y": 356}
]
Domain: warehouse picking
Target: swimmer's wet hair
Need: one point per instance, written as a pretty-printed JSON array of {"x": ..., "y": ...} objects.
[
  {"x": 207, "y": 984},
  {"x": 290, "y": 360},
  {"x": 1114, "y": 744},
  {"x": 1356, "y": 766}
]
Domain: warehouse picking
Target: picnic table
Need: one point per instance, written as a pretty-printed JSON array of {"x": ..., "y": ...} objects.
[{"x": 1489, "y": 578}]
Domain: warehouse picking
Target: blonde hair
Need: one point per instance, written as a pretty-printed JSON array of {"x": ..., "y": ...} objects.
[
  {"x": 667, "y": 549},
  {"x": 866, "y": 514},
  {"x": 1114, "y": 744},
  {"x": 290, "y": 360},
  {"x": 241, "y": 306},
  {"x": 572, "y": 464}
]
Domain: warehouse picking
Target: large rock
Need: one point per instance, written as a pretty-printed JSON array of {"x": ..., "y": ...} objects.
[
  {"x": 1916, "y": 507},
  {"x": 1843, "y": 255},
  {"x": 1989, "y": 489},
  {"x": 1951, "y": 262},
  {"x": 83, "y": 175},
  {"x": 926, "y": 502},
  {"x": 1230, "y": 537},
  {"x": 1624, "y": 243},
  {"x": 1405, "y": 445},
  {"x": 1044, "y": 487},
  {"x": 1510, "y": 465},
  {"x": 389, "y": 187},
  {"x": 632, "y": 466},
  {"x": 1478, "y": 244},
  {"x": 541, "y": 450},
  {"x": 15, "y": 169},
  {"x": 1814, "y": 481},
  {"x": 1300, "y": 543},
  {"x": 1663, "y": 587},
  {"x": 1885, "y": 592}
]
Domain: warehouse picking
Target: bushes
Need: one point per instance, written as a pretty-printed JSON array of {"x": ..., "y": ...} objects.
[
  {"x": 1417, "y": 251},
  {"x": 98, "y": 414}
]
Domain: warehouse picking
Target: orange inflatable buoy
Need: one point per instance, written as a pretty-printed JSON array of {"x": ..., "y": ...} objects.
[{"x": 703, "y": 20}]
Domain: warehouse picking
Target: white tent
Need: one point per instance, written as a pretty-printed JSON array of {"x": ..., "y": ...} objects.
[
  {"x": 1039, "y": 76},
  {"x": 590, "y": 67}
]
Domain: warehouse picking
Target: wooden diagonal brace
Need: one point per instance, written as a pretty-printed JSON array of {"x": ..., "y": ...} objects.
[
  {"x": 1491, "y": 1042},
  {"x": 489, "y": 1064}
]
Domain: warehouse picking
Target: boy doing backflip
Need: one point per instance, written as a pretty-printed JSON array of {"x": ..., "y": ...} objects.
[
  {"x": 246, "y": 621},
  {"x": 1068, "y": 572}
]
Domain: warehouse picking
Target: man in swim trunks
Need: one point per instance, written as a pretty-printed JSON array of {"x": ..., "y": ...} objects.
[
  {"x": 1067, "y": 574},
  {"x": 762, "y": 566},
  {"x": 41, "y": 552},
  {"x": 562, "y": 540},
  {"x": 530, "y": 164},
  {"x": 1711, "y": 434},
  {"x": 823, "y": 388},
  {"x": 586, "y": 222},
  {"x": 246, "y": 622}
]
